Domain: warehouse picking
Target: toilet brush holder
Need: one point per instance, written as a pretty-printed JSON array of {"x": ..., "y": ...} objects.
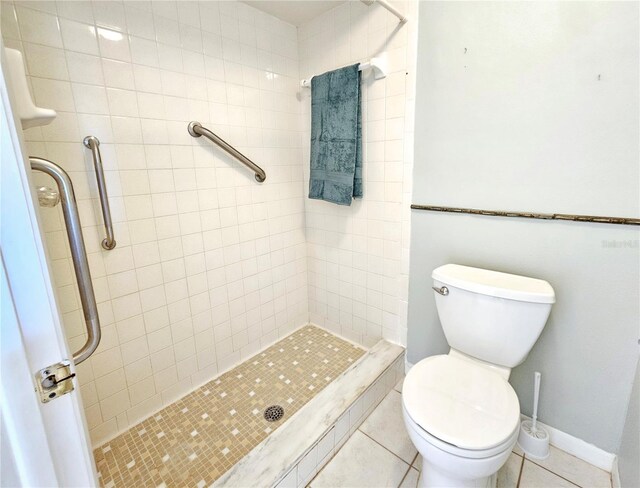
[{"x": 534, "y": 441}]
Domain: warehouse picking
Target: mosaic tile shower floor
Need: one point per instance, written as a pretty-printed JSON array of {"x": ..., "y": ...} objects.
[{"x": 194, "y": 441}]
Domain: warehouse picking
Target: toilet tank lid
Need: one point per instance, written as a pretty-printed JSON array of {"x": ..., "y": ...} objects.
[{"x": 495, "y": 283}]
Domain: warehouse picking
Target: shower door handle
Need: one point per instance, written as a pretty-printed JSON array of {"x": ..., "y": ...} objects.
[
  {"x": 93, "y": 143},
  {"x": 78, "y": 255}
]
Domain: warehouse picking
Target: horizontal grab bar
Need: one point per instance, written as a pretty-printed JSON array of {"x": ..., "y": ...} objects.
[
  {"x": 196, "y": 130},
  {"x": 78, "y": 255}
]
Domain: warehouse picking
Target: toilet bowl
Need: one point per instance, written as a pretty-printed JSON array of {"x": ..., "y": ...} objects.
[
  {"x": 462, "y": 418},
  {"x": 459, "y": 409}
]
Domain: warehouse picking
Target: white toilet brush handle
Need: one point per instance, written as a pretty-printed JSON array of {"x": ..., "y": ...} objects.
[{"x": 536, "y": 393}]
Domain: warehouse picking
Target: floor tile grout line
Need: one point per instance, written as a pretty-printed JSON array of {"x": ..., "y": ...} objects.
[
  {"x": 360, "y": 429},
  {"x": 404, "y": 477},
  {"x": 336, "y": 451},
  {"x": 552, "y": 472},
  {"x": 415, "y": 458},
  {"x": 520, "y": 471},
  {"x": 410, "y": 468},
  {"x": 535, "y": 461},
  {"x": 364, "y": 433}
]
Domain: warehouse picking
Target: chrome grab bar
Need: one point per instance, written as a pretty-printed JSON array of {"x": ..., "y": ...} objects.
[
  {"x": 196, "y": 130},
  {"x": 78, "y": 254},
  {"x": 93, "y": 143}
]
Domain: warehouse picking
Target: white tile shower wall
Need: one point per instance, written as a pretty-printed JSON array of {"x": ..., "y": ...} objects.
[
  {"x": 358, "y": 257},
  {"x": 210, "y": 266}
]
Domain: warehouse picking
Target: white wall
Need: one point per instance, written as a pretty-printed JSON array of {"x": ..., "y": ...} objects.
[
  {"x": 629, "y": 452},
  {"x": 8, "y": 469},
  {"x": 210, "y": 265},
  {"x": 358, "y": 255},
  {"x": 534, "y": 107},
  {"x": 529, "y": 107}
]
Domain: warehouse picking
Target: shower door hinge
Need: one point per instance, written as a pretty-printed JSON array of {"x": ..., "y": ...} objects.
[{"x": 54, "y": 381}]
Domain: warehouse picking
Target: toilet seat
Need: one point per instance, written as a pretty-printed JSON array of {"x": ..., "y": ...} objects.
[
  {"x": 466, "y": 406},
  {"x": 507, "y": 445}
]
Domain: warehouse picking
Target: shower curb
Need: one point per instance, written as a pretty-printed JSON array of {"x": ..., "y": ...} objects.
[{"x": 292, "y": 455}]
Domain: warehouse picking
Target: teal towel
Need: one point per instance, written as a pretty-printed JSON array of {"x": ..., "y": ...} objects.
[{"x": 336, "y": 136}]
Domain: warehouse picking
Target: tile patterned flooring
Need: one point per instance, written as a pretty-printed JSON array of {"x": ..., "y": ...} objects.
[
  {"x": 195, "y": 440},
  {"x": 380, "y": 454}
]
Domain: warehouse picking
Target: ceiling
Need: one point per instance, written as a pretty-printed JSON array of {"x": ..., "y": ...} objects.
[{"x": 294, "y": 12}]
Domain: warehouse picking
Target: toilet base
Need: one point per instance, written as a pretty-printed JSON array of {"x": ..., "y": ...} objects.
[{"x": 431, "y": 477}]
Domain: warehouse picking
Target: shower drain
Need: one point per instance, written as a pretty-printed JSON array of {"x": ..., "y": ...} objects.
[{"x": 273, "y": 413}]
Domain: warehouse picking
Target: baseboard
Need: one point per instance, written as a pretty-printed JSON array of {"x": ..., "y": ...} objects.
[
  {"x": 615, "y": 475},
  {"x": 579, "y": 448}
]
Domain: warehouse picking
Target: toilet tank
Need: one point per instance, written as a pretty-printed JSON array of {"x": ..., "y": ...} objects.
[{"x": 492, "y": 316}]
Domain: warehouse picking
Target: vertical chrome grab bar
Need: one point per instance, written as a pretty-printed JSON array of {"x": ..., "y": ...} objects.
[
  {"x": 78, "y": 254},
  {"x": 93, "y": 143}
]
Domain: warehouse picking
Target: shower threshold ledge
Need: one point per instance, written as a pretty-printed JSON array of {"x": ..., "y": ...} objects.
[
  {"x": 292, "y": 455},
  {"x": 232, "y": 432}
]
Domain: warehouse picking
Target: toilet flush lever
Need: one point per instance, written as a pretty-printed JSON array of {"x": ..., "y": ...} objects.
[{"x": 443, "y": 290}]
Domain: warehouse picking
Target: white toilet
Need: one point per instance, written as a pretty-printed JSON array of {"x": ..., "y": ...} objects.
[{"x": 461, "y": 413}]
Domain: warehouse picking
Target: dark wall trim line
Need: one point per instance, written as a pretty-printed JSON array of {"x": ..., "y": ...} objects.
[{"x": 530, "y": 215}]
